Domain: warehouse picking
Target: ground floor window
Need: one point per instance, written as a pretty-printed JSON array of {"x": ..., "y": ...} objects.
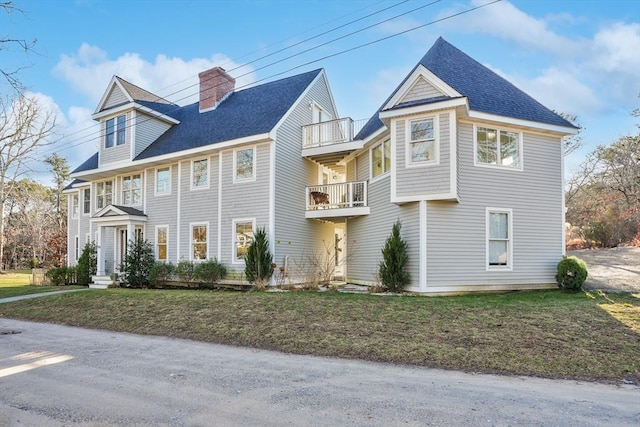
[
  {"x": 499, "y": 238},
  {"x": 162, "y": 238},
  {"x": 243, "y": 235},
  {"x": 199, "y": 237}
]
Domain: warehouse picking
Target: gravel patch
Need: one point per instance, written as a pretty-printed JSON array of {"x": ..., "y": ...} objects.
[{"x": 613, "y": 270}]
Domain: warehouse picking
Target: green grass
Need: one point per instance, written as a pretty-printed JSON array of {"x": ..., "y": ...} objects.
[
  {"x": 549, "y": 334},
  {"x": 16, "y": 282}
]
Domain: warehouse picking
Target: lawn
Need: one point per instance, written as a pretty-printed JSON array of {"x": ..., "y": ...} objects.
[
  {"x": 553, "y": 334},
  {"x": 16, "y": 282}
]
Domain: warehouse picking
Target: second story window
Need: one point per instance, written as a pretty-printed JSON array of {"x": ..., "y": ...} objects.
[
  {"x": 422, "y": 141},
  {"x": 131, "y": 190},
  {"x": 115, "y": 131},
  {"x": 74, "y": 206},
  {"x": 495, "y": 147},
  {"x": 381, "y": 159},
  {"x": 163, "y": 180},
  {"x": 244, "y": 164},
  {"x": 86, "y": 201},
  {"x": 200, "y": 174},
  {"x": 104, "y": 194}
]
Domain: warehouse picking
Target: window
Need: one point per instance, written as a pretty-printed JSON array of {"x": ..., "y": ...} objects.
[
  {"x": 200, "y": 174},
  {"x": 162, "y": 237},
  {"x": 244, "y": 164},
  {"x": 131, "y": 190},
  {"x": 498, "y": 147},
  {"x": 115, "y": 131},
  {"x": 198, "y": 242},
  {"x": 243, "y": 230},
  {"x": 86, "y": 201},
  {"x": 77, "y": 248},
  {"x": 163, "y": 180},
  {"x": 422, "y": 141},
  {"x": 381, "y": 159},
  {"x": 104, "y": 194},
  {"x": 499, "y": 240},
  {"x": 74, "y": 206}
]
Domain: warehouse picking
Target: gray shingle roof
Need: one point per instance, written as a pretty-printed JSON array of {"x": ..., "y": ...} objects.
[
  {"x": 139, "y": 94},
  {"x": 89, "y": 164},
  {"x": 486, "y": 91}
]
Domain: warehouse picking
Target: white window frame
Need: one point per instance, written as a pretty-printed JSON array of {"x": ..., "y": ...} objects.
[
  {"x": 206, "y": 184},
  {"x": 509, "y": 240},
  {"x": 155, "y": 187},
  {"x": 234, "y": 245},
  {"x": 75, "y": 207},
  {"x": 191, "y": 242},
  {"x": 117, "y": 130},
  {"x": 157, "y": 243},
  {"x": 236, "y": 178},
  {"x": 131, "y": 190},
  {"x": 371, "y": 151},
  {"x": 498, "y": 131},
  {"x": 409, "y": 142},
  {"x": 86, "y": 191},
  {"x": 103, "y": 197}
]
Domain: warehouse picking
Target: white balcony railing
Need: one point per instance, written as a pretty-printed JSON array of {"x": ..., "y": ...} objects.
[
  {"x": 337, "y": 196},
  {"x": 331, "y": 132}
]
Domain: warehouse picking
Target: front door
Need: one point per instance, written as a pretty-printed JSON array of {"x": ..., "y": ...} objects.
[{"x": 121, "y": 247}]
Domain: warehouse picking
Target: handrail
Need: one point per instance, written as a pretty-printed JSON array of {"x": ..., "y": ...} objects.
[
  {"x": 336, "y": 196},
  {"x": 330, "y": 132}
]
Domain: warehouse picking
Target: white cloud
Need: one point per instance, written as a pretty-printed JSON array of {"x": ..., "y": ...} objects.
[{"x": 89, "y": 70}]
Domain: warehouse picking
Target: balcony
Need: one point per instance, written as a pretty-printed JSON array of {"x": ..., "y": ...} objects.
[
  {"x": 336, "y": 202},
  {"x": 329, "y": 142}
]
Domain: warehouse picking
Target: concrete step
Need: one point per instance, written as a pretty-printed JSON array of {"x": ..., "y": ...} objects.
[{"x": 102, "y": 282}]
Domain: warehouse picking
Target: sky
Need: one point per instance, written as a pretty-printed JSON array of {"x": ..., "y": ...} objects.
[{"x": 578, "y": 57}]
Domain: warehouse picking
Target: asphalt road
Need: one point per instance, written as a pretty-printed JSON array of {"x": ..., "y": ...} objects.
[{"x": 54, "y": 375}]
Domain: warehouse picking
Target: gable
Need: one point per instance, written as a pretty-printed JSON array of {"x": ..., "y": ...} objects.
[
  {"x": 115, "y": 96},
  {"x": 421, "y": 89}
]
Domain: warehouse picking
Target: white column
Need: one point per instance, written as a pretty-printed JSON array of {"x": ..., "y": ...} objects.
[{"x": 100, "y": 250}]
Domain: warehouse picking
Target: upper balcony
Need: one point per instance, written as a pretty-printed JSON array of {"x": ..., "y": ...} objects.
[
  {"x": 335, "y": 202},
  {"x": 329, "y": 142}
]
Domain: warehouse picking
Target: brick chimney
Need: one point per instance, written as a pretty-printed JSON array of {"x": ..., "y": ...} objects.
[{"x": 215, "y": 85}]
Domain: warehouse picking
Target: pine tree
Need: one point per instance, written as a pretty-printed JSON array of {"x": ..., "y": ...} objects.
[
  {"x": 258, "y": 262},
  {"x": 394, "y": 259},
  {"x": 87, "y": 264},
  {"x": 138, "y": 263}
]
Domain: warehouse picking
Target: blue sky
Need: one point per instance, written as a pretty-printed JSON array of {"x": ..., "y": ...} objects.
[{"x": 580, "y": 57}]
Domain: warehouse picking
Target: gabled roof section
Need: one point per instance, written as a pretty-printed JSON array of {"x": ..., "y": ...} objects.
[
  {"x": 120, "y": 92},
  {"x": 244, "y": 113},
  {"x": 117, "y": 210}
]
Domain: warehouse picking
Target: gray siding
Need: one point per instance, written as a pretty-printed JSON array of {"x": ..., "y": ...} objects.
[
  {"x": 147, "y": 129},
  {"x": 421, "y": 90},
  {"x": 116, "y": 97},
  {"x": 162, "y": 210},
  {"x": 427, "y": 179},
  {"x": 116, "y": 153},
  {"x": 295, "y": 236},
  {"x": 456, "y": 239}
]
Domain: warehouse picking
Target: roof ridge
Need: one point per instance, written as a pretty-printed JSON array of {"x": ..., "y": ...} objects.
[{"x": 146, "y": 95}]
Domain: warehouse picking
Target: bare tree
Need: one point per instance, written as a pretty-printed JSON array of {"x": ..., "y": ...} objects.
[
  {"x": 24, "y": 127},
  {"x": 573, "y": 142},
  {"x": 8, "y": 42}
]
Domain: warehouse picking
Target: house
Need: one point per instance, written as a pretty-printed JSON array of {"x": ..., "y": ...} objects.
[{"x": 471, "y": 165}]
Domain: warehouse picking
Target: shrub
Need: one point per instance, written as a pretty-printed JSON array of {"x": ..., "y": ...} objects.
[
  {"x": 161, "y": 273},
  {"x": 185, "y": 270},
  {"x": 87, "y": 264},
  {"x": 138, "y": 263},
  {"x": 259, "y": 261},
  {"x": 394, "y": 259},
  {"x": 571, "y": 273},
  {"x": 210, "y": 272},
  {"x": 59, "y": 276}
]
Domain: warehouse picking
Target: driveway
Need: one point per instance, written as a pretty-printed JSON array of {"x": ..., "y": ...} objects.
[
  {"x": 54, "y": 375},
  {"x": 615, "y": 269}
]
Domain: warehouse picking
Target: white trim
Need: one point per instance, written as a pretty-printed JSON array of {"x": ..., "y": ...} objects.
[
  {"x": 424, "y": 108},
  {"x": 105, "y": 95},
  {"x": 135, "y": 106},
  {"x": 393, "y": 136},
  {"x": 384, "y": 174},
  {"x": 145, "y": 182},
  {"x": 423, "y": 246},
  {"x": 510, "y": 239},
  {"x": 563, "y": 207},
  {"x": 427, "y": 197},
  {"x": 208, "y": 241},
  {"x": 234, "y": 258},
  {"x": 272, "y": 199},
  {"x": 130, "y": 127},
  {"x": 453, "y": 153},
  {"x": 155, "y": 180},
  {"x": 520, "y": 166},
  {"x": 156, "y": 242},
  {"x": 407, "y": 85},
  {"x": 219, "y": 219},
  {"x": 191, "y": 170},
  {"x": 252, "y": 178},
  {"x": 436, "y": 142},
  {"x": 519, "y": 122},
  {"x": 178, "y": 208}
]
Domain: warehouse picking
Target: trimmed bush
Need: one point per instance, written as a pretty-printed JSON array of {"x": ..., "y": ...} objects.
[
  {"x": 59, "y": 276},
  {"x": 185, "y": 270},
  {"x": 259, "y": 261},
  {"x": 210, "y": 272},
  {"x": 87, "y": 264},
  {"x": 161, "y": 273},
  {"x": 138, "y": 263},
  {"x": 391, "y": 271},
  {"x": 571, "y": 273}
]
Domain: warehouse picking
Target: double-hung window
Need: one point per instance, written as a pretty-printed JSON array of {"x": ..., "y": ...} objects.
[
  {"x": 499, "y": 239},
  {"x": 199, "y": 242},
  {"x": 243, "y": 235},
  {"x": 104, "y": 194},
  {"x": 131, "y": 190},
  {"x": 498, "y": 147},
  {"x": 74, "y": 206},
  {"x": 422, "y": 144},
  {"x": 244, "y": 164},
  {"x": 163, "y": 180},
  {"x": 200, "y": 174},
  {"x": 115, "y": 131},
  {"x": 381, "y": 159},
  {"x": 162, "y": 240},
  {"x": 86, "y": 201}
]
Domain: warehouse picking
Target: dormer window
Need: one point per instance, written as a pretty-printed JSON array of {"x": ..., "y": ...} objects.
[{"x": 115, "y": 131}]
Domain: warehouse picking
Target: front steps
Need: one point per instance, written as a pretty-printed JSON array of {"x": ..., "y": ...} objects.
[{"x": 102, "y": 282}]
